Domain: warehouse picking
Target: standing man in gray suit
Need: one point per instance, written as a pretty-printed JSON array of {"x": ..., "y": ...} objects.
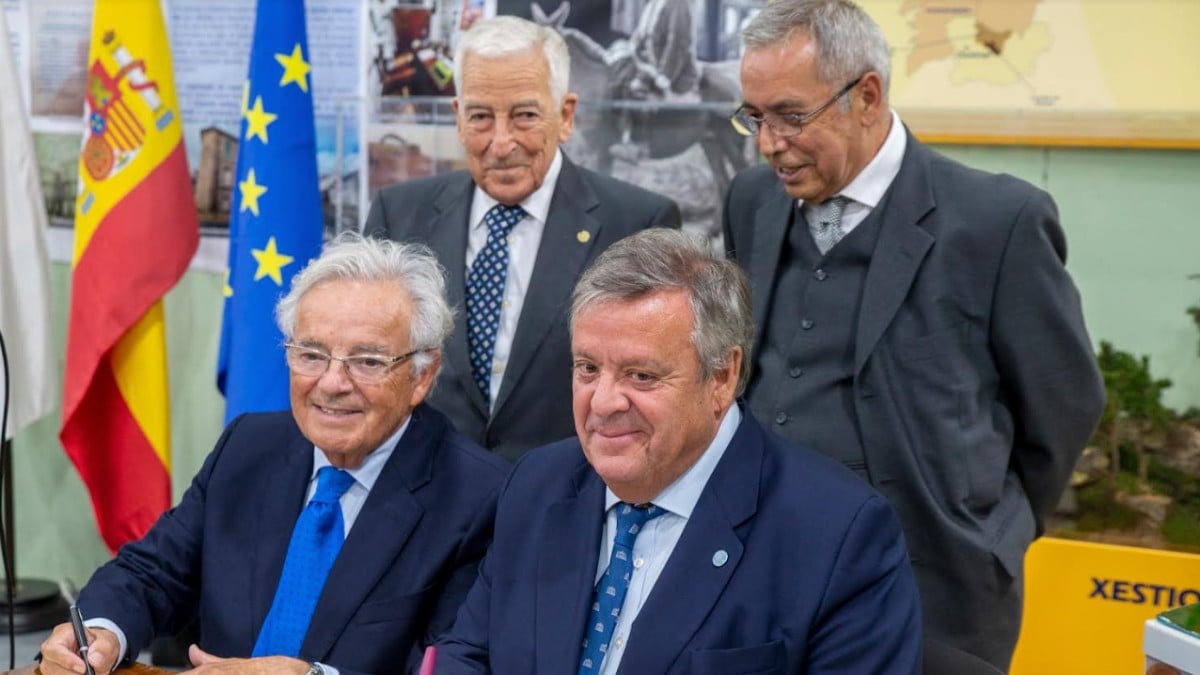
[
  {"x": 915, "y": 318},
  {"x": 514, "y": 232}
]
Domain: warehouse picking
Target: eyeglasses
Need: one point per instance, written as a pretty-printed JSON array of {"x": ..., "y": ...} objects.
[
  {"x": 369, "y": 368},
  {"x": 783, "y": 125}
]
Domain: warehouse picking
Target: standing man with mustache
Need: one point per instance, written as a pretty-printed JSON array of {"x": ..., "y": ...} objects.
[
  {"x": 915, "y": 319},
  {"x": 514, "y": 231}
]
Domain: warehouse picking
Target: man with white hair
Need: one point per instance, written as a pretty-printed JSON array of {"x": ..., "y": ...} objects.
[
  {"x": 915, "y": 318},
  {"x": 514, "y": 231},
  {"x": 337, "y": 538}
]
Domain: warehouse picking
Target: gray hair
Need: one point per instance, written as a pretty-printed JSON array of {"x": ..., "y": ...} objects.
[
  {"x": 659, "y": 259},
  {"x": 413, "y": 267},
  {"x": 510, "y": 35},
  {"x": 849, "y": 42}
]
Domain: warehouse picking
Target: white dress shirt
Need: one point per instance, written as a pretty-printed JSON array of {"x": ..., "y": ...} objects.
[
  {"x": 869, "y": 186},
  {"x": 523, "y": 243},
  {"x": 658, "y": 537}
]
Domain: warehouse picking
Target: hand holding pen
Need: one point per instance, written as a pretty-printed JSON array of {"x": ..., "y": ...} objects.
[
  {"x": 71, "y": 641},
  {"x": 81, "y": 638}
]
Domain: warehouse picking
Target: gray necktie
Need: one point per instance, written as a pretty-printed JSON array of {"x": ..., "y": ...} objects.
[{"x": 826, "y": 223}]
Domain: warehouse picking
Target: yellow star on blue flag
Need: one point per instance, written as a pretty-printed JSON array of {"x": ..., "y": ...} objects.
[{"x": 272, "y": 234}]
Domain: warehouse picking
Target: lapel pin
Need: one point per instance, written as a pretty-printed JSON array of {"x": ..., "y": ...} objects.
[
  {"x": 720, "y": 558},
  {"x": 583, "y": 236}
]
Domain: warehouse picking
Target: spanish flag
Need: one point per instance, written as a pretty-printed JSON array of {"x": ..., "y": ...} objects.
[{"x": 135, "y": 233}]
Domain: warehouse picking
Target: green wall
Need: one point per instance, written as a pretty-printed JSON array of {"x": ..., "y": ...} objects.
[{"x": 1133, "y": 242}]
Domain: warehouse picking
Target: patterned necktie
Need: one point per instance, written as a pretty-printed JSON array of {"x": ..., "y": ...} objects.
[
  {"x": 827, "y": 231},
  {"x": 316, "y": 540},
  {"x": 610, "y": 592},
  {"x": 485, "y": 293}
]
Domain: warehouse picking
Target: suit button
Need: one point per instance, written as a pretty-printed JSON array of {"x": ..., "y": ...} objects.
[
  {"x": 795, "y": 371},
  {"x": 781, "y": 418},
  {"x": 806, "y": 324},
  {"x": 820, "y": 275}
]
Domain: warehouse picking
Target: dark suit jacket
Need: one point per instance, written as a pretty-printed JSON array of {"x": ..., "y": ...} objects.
[
  {"x": 817, "y": 578},
  {"x": 534, "y": 404},
  {"x": 407, "y": 563},
  {"x": 975, "y": 385}
]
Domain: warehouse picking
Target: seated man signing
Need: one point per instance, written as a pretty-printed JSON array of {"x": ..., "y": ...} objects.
[
  {"x": 676, "y": 534},
  {"x": 337, "y": 538}
]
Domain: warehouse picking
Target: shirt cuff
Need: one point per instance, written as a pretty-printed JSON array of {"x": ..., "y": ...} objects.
[{"x": 111, "y": 627}]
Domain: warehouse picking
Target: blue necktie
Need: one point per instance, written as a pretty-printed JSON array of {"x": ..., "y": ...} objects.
[
  {"x": 485, "y": 293},
  {"x": 316, "y": 540},
  {"x": 610, "y": 592}
]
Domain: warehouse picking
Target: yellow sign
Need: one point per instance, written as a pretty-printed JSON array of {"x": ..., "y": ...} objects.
[{"x": 1086, "y": 604}]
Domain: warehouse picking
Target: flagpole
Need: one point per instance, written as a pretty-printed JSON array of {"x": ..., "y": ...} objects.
[{"x": 26, "y": 604}]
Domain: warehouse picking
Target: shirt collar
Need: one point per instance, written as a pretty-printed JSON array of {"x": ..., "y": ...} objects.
[
  {"x": 869, "y": 186},
  {"x": 368, "y": 472},
  {"x": 536, "y": 205},
  {"x": 681, "y": 495}
]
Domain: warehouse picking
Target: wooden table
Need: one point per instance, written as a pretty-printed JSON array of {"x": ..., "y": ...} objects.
[{"x": 135, "y": 669}]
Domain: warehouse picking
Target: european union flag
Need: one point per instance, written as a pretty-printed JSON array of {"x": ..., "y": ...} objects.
[{"x": 276, "y": 222}]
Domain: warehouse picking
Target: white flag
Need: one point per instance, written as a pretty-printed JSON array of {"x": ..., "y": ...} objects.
[{"x": 24, "y": 267}]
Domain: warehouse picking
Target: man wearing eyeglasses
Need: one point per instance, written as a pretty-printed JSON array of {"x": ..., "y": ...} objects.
[
  {"x": 915, "y": 318},
  {"x": 339, "y": 538}
]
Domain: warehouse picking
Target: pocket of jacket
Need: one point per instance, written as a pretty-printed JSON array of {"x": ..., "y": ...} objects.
[
  {"x": 758, "y": 660},
  {"x": 401, "y": 607}
]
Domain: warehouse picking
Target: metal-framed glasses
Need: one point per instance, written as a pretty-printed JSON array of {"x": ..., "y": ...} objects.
[
  {"x": 369, "y": 368},
  {"x": 783, "y": 125}
]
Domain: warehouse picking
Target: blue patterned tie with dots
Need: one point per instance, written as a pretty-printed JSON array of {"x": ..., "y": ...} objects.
[
  {"x": 610, "y": 592},
  {"x": 485, "y": 293},
  {"x": 316, "y": 540}
]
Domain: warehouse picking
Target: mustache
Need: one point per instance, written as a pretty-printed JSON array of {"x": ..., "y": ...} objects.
[
  {"x": 507, "y": 164},
  {"x": 619, "y": 423}
]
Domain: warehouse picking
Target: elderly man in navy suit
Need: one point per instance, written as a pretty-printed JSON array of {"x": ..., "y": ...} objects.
[
  {"x": 514, "y": 233},
  {"x": 676, "y": 534},
  {"x": 337, "y": 538}
]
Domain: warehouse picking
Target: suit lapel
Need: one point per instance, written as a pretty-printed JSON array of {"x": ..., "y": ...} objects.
[
  {"x": 380, "y": 531},
  {"x": 691, "y": 583},
  {"x": 770, "y": 229},
  {"x": 447, "y": 237},
  {"x": 566, "y": 573},
  {"x": 279, "y": 505},
  {"x": 899, "y": 252},
  {"x": 561, "y": 258}
]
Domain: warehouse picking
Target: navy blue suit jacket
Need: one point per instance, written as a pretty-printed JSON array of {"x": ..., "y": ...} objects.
[
  {"x": 407, "y": 564},
  {"x": 817, "y": 578}
]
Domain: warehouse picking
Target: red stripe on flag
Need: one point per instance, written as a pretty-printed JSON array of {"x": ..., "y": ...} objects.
[
  {"x": 121, "y": 121},
  {"x": 141, "y": 131},
  {"x": 128, "y": 483},
  {"x": 116, "y": 131},
  {"x": 140, "y": 249}
]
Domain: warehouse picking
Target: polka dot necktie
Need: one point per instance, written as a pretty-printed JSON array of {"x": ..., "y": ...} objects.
[
  {"x": 316, "y": 540},
  {"x": 610, "y": 592},
  {"x": 827, "y": 231},
  {"x": 485, "y": 293}
]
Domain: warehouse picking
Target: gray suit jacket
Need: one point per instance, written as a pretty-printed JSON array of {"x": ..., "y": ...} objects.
[
  {"x": 975, "y": 385},
  {"x": 534, "y": 404}
]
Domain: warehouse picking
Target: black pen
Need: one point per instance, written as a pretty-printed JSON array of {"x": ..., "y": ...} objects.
[{"x": 81, "y": 637}]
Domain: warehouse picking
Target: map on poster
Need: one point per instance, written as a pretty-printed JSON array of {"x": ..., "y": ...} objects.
[{"x": 1051, "y": 69}]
